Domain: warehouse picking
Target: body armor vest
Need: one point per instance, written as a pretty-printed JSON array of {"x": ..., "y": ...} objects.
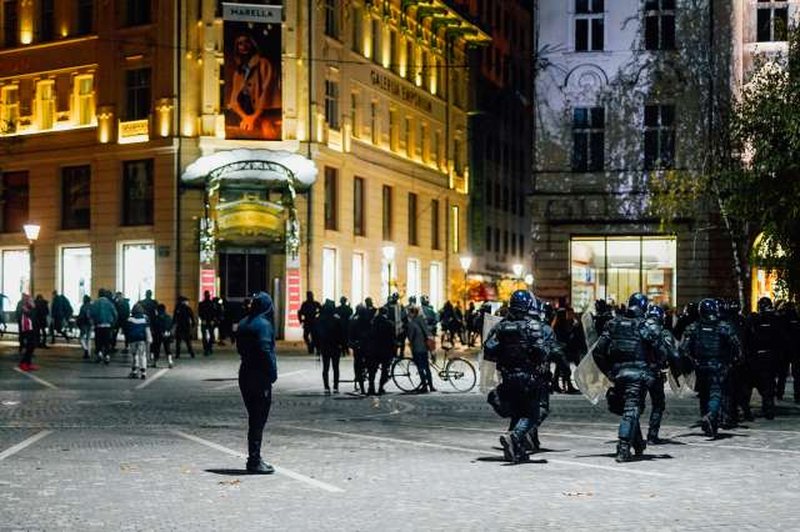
[
  {"x": 626, "y": 341},
  {"x": 708, "y": 344},
  {"x": 517, "y": 341}
]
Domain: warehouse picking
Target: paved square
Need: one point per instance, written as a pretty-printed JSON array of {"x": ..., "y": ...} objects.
[{"x": 84, "y": 448}]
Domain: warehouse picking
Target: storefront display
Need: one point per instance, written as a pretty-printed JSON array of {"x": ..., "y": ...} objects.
[
  {"x": 76, "y": 274},
  {"x": 138, "y": 270}
]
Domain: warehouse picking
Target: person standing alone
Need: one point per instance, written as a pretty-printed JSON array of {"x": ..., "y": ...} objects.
[{"x": 257, "y": 373}]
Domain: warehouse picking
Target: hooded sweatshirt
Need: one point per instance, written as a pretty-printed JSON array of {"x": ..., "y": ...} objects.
[{"x": 255, "y": 338}]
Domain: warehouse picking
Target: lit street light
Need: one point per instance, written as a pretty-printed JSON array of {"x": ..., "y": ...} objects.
[
  {"x": 31, "y": 233},
  {"x": 529, "y": 279},
  {"x": 517, "y": 269},
  {"x": 388, "y": 255},
  {"x": 466, "y": 262}
]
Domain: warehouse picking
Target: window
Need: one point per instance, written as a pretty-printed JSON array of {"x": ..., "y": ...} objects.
[
  {"x": 410, "y": 67},
  {"x": 435, "y": 230},
  {"x": 137, "y": 189},
  {"x": 15, "y": 201},
  {"x": 488, "y": 238},
  {"x": 659, "y": 136},
  {"x": 16, "y": 275},
  {"x": 10, "y": 24},
  {"x": 435, "y": 148},
  {"x": 505, "y": 242},
  {"x": 413, "y": 279},
  {"x": 521, "y": 245},
  {"x": 388, "y": 220},
  {"x": 359, "y": 278},
  {"x": 435, "y": 285},
  {"x": 456, "y": 224},
  {"x": 588, "y": 139},
  {"x": 138, "y": 267},
  {"x": 137, "y": 94},
  {"x": 331, "y": 198},
  {"x": 332, "y": 18},
  {"x": 85, "y": 17},
  {"x": 47, "y": 20},
  {"x": 358, "y": 29},
  {"x": 489, "y": 193},
  {"x": 377, "y": 29},
  {"x": 84, "y": 100},
  {"x": 497, "y": 240},
  {"x": 659, "y": 24},
  {"x": 394, "y": 134},
  {"x": 773, "y": 20},
  {"x": 409, "y": 137},
  {"x": 75, "y": 199},
  {"x": 358, "y": 207},
  {"x": 412, "y": 219},
  {"x": 513, "y": 244},
  {"x": 423, "y": 151},
  {"x": 332, "y": 103},
  {"x": 355, "y": 118},
  {"x": 589, "y": 25},
  {"x": 373, "y": 122},
  {"x": 9, "y": 109},
  {"x": 76, "y": 273},
  {"x": 458, "y": 164},
  {"x": 505, "y": 199},
  {"x": 45, "y": 104},
  {"x": 329, "y": 273},
  {"x": 137, "y": 12},
  {"x": 394, "y": 51}
]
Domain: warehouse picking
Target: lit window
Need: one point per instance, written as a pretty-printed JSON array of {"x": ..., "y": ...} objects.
[
  {"x": 589, "y": 25},
  {"x": 773, "y": 20},
  {"x": 588, "y": 139},
  {"x": 45, "y": 104},
  {"x": 332, "y": 104},
  {"x": 456, "y": 225},
  {"x": 9, "y": 109},
  {"x": 388, "y": 214},
  {"x": 358, "y": 207},
  {"x": 659, "y": 24},
  {"x": 358, "y": 283},
  {"x": 435, "y": 285},
  {"x": 84, "y": 100},
  {"x": 659, "y": 136},
  {"x": 414, "y": 279},
  {"x": 329, "y": 273}
]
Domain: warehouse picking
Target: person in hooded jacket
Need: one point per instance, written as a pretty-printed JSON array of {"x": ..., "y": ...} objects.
[
  {"x": 84, "y": 323},
  {"x": 358, "y": 338},
  {"x": 255, "y": 343},
  {"x": 380, "y": 351},
  {"x": 139, "y": 338},
  {"x": 185, "y": 323},
  {"x": 326, "y": 337}
]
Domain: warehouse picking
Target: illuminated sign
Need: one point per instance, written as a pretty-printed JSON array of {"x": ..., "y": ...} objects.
[{"x": 399, "y": 90}]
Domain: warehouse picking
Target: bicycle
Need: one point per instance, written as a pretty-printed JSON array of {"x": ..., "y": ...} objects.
[{"x": 457, "y": 371}]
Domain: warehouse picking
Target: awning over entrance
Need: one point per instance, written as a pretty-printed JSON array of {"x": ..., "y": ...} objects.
[{"x": 238, "y": 164}]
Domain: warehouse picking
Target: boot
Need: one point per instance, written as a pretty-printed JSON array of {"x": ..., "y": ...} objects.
[
  {"x": 255, "y": 465},
  {"x": 531, "y": 441},
  {"x": 169, "y": 360},
  {"x": 623, "y": 452},
  {"x": 653, "y": 439},
  {"x": 709, "y": 427},
  {"x": 513, "y": 448}
]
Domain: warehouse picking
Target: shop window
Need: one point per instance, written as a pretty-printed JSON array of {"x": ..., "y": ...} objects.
[
  {"x": 15, "y": 268},
  {"x": 45, "y": 104},
  {"x": 10, "y": 24},
  {"x": 137, "y": 12},
  {"x": 358, "y": 207},
  {"x": 9, "y": 109},
  {"x": 435, "y": 230},
  {"x": 331, "y": 199},
  {"x": 435, "y": 285},
  {"x": 659, "y": 24},
  {"x": 138, "y": 269},
  {"x": 329, "y": 273},
  {"x": 332, "y": 104},
  {"x": 388, "y": 213},
  {"x": 85, "y": 17},
  {"x": 75, "y": 197},
  {"x": 84, "y": 100},
  {"x": 332, "y": 18},
  {"x": 589, "y": 25},
  {"x": 772, "y": 20},
  {"x": 15, "y": 201},
  {"x": 76, "y": 274},
  {"x": 137, "y": 204},
  {"x": 47, "y": 20},
  {"x": 612, "y": 268},
  {"x": 659, "y": 136},
  {"x": 358, "y": 282},
  {"x": 137, "y": 94},
  {"x": 414, "y": 279},
  {"x": 412, "y": 219},
  {"x": 588, "y": 139}
]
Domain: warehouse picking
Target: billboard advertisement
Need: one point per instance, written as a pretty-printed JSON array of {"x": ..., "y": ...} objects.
[{"x": 252, "y": 71}]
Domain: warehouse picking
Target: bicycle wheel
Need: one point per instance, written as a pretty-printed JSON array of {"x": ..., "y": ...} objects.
[
  {"x": 460, "y": 373},
  {"x": 405, "y": 374}
]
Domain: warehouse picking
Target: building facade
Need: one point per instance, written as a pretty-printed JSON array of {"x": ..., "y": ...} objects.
[
  {"x": 118, "y": 143},
  {"x": 622, "y": 95}
]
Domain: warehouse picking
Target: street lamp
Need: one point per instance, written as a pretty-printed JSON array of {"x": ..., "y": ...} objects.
[
  {"x": 466, "y": 262},
  {"x": 388, "y": 255},
  {"x": 31, "y": 233},
  {"x": 529, "y": 279},
  {"x": 517, "y": 269}
]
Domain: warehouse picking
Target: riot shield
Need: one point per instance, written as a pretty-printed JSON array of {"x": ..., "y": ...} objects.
[
  {"x": 488, "y": 369},
  {"x": 590, "y": 380},
  {"x": 587, "y": 320},
  {"x": 683, "y": 385}
]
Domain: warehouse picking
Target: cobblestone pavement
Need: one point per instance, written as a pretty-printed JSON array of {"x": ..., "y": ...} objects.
[{"x": 85, "y": 448}]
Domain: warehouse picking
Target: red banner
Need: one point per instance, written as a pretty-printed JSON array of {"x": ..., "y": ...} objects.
[
  {"x": 293, "y": 296},
  {"x": 208, "y": 281}
]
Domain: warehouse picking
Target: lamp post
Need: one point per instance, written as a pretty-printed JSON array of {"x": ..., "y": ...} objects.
[
  {"x": 388, "y": 255},
  {"x": 31, "y": 233},
  {"x": 529, "y": 279},
  {"x": 466, "y": 262}
]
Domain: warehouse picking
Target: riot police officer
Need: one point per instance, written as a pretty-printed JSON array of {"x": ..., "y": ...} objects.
[
  {"x": 520, "y": 346},
  {"x": 624, "y": 352},
  {"x": 654, "y": 320},
  {"x": 792, "y": 325},
  {"x": 712, "y": 347},
  {"x": 764, "y": 335}
]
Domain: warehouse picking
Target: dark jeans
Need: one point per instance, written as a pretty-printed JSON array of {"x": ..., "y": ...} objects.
[
  {"x": 186, "y": 338},
  {"x": 308, "y": 337},
  {"x": 424, "y": 368},
  {"x": 373, "y": 364},
  {"x": 360, "y": 368},
  {"x": 27, "y": 345},
  {"x": 330, "y": 355},
  {"x": 207, "y": 334},
  {"x": 710, "y": 384},
  {"x": 762, "y": 374},
  {"x": 658, "y": 404},
  {"x": 634, "y": 383},
  {"x": 103, "y": 341},
  {"x": 160, "y": 340},
  {"x": 530, "y": 402},
  {"x": 256, "y": 393}
]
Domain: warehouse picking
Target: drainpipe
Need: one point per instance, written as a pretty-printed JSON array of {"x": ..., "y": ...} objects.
[{"x": 179, "y": 78}]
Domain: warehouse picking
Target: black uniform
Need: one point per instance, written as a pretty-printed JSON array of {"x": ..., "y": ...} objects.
[
  {"x": 713, "y": 347},
  {"x": 790, "y": 352},
  {"x": 764, "y": 344},
  {"x": 626, "y": 351},
  {"x": 658, "y": 363}
]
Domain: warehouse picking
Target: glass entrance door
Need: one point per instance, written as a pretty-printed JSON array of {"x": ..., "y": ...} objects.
[{"x": 242, "y": 273}]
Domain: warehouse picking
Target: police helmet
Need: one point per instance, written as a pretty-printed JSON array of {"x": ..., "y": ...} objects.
[
  {"x": 733, "y": 307},
  {"x": 708, "y": 310},
  {"x": 394, "y": 298},
  {"x": 521, "y": 301},
  {"x": 637, "y": 303},
  {"x": 412, "y": 300},
  {"x": 657, "y": 313},
  {"x": 423, "y": 300},
  {"x": 764, "y": 304}
]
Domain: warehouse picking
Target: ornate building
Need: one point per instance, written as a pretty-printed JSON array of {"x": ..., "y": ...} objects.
[{"x": 124, "y": 138}]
